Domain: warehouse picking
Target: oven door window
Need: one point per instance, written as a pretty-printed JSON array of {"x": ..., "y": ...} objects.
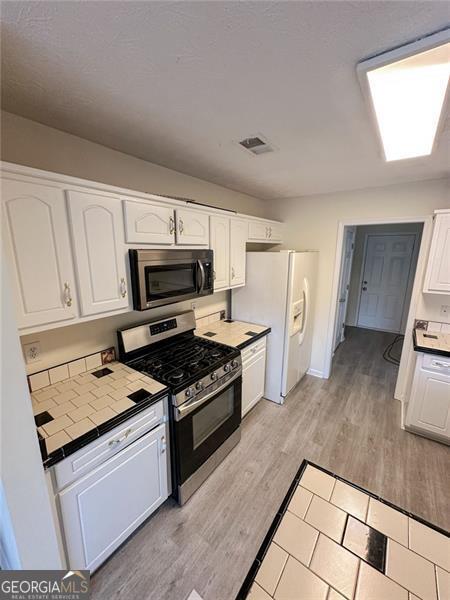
[
  {"x": 215, "y": 414},
  {"x": 200, "y": 433},
  {"x": 167, "y": 281}
]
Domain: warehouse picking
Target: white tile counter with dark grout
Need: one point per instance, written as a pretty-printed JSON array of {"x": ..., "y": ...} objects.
[
  {"x": 233, "y": 333},
  {"x": 251, "y": 340},
  {"x": 75, "y": 411}
]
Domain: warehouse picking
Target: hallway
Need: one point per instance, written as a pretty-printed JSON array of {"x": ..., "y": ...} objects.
[{"x": 348, "y": 424}]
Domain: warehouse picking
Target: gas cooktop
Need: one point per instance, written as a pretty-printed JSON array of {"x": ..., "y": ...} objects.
[{"x": 184, "y": 360}]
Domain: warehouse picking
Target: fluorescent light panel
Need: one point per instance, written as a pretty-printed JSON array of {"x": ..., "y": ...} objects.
[{"x": 408, "y": 96}]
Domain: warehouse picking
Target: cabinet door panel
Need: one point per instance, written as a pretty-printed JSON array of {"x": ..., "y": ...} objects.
[
  {"x": 238, "y": 239},
  {"x": 258, "y": 231},
  {"x": 253, "y": 380},
  {"x": 97, "y": 226},
  {"x": 429, "y": 405},
  {"x": 192, "y": 227},
  {"x": 220, "y": 244},
  {"x": 275, "y": 232},
  {"x": 438, "y": 272},
  {"x": 103, "y": 508},
  {"x": 39, "y": 248},
  {"x": 147, "y": 223}
]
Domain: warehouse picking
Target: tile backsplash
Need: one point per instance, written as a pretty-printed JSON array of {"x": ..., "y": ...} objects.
[
  {"x": 69, "y": 343},
  {"x": 43, "y": 379}
]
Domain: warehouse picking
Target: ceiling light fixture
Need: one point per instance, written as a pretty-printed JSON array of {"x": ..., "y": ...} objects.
[{"x": 407, "y": 88}]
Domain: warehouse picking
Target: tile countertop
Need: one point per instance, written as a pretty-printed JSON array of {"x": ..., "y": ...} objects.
[
  {"x": 74, "y": 412},
  {"x": 233, "y": 333},
  {"x": 431, "y": 342}
]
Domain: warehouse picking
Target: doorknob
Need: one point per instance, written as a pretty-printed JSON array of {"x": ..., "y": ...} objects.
[
  {"x": 364, "y": 288},
  {"x": 364, "y": 282}
]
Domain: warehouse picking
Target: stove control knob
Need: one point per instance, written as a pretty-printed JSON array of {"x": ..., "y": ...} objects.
[
  {"x": 189, "y": 392},
  {"x": 227, "y": 368},
  {"x": 214, "y": 376},
  {"x": 234, "y": 364},
  {"x": 199, "y": 385}
]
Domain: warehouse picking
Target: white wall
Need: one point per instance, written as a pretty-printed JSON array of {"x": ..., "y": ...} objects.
[
  {"x": 312, "y": 224},
  {"x": 29, "y": 143},
  {"x": 28, "y": 536},
  {"x": 75, "y": 341},
  {"x": 358, "y": 260}
]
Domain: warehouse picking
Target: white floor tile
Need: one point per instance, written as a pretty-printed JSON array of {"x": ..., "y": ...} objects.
[
  {"x": 335, "y": 565},
  {"x": 326, "y": 517},
  {"x": 411, "y": 571},
  {"x": 350, "y": 499},
  {"x": 373, "y": 585},
  {"x": 296, "y": 537},
  {"x": 300, "y": 502},
  {"x": 429, "y": 543},
  {"x": 318, "y": 482},
  {"x": 272, "y": 566},
  {"x": 389, "y": 521},
  {"x": 298, "y": 582}
]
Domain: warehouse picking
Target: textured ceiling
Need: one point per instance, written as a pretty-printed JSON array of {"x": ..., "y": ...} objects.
[{"x": 177, "y": 83}]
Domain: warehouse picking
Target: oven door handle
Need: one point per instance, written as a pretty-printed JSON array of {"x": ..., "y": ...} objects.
[
  {"x": 188, "y": 407},
  {"x": 201, "y": 270}
]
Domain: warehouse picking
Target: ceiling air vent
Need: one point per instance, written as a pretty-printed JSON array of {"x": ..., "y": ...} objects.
[{"x": 256, "y": 145}]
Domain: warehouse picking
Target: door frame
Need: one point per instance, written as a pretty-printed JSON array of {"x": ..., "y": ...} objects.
[
  {"x": 341, "y": 281},
  {"x": 409, "y": 282},
  {"x": 406, "y": 361}
]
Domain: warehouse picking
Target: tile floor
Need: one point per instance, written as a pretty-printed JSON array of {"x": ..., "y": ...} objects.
[{"x": 336, "y": 542}]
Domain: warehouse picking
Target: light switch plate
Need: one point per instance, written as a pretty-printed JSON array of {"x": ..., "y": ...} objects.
[{"x": 32, "y": 352}]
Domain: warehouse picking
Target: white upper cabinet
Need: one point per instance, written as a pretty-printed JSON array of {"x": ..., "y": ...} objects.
[
  {"x": 437, "y": 278},
  {"x": 192, "y": 227},
  {"x": 147, "y": 223},
  {"x": 220, "y": 244},
  {"x": 97, "y": 228},
  {"x": 38, "y": 243},
  {"x": 275, "y": 232},
  {"x": 264, "y": 231},
  {"x": 238, "y": 239}
]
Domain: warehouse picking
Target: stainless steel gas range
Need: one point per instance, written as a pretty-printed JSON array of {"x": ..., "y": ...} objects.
[{"x": 205, "y": 380}]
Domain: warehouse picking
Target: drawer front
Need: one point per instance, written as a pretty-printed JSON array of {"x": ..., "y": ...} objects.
[
  {"x": 250, "y": 351},
  {"x": 92, "y": 455}
]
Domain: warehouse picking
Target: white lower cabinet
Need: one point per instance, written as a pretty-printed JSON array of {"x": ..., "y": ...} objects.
[
  {"x": 428, "y": 410},
  {"x": 253, "y": 374},
  {"x": 100, "y": 254},
  {"x": 100, "y": 510}
]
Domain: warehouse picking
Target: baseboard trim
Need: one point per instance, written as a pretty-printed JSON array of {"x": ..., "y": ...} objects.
[{"x": 316, "y": 373}]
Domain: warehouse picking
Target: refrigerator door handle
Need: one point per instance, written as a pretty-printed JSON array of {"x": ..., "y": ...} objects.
[{"x": 306, "y": 298}]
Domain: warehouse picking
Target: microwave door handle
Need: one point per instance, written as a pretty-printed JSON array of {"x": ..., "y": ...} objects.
[{"x": 201, "y": 270}]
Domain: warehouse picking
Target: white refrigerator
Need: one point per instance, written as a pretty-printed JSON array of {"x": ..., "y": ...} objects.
[{"x": 280, "y": 292}]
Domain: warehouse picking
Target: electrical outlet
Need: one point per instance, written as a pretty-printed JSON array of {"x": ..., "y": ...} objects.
[
  {"x": 445, "y": 311},
  {"x": 193, "y": 305},
  {"x": 32, "y": 352}
]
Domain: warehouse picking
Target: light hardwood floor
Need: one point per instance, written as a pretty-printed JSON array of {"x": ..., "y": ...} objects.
[{"x": 348, "y": 424}]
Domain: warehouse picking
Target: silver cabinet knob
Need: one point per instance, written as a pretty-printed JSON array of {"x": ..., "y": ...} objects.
[
  {"x": 67, "y": 295},
  {"x": 171, "y": 225},
  {"x": 123, "y": 287},
  {"x": 180, "y": 225}
]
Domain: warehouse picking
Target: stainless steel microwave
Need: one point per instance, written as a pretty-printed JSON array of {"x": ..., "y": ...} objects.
[{"x": 160, "y": 277}]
